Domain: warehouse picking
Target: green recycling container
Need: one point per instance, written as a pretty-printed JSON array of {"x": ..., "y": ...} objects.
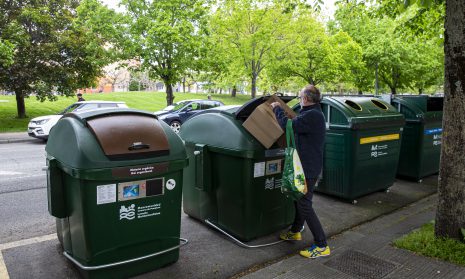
[
  {"x": 232, "y": 180},
  {"x": 362, "y": 146},
  {"x": 421, "y": 139},
  {"x": 114, "y": 183}
]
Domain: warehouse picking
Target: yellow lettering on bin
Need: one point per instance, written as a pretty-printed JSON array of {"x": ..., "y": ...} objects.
[{"x": 379, "y": 138}]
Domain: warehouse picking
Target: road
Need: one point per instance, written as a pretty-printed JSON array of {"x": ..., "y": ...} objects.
[{"x": 23, "y": 192}]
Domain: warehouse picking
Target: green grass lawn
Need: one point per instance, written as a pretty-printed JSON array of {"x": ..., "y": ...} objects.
[
  {"x": 423, "y": 241},
  {"x": 150, "y": 101}
]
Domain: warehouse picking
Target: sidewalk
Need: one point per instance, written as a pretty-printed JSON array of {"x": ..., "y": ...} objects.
[
  {"x": 16, "y": 137},
  {"x": 366, "y": 252}
]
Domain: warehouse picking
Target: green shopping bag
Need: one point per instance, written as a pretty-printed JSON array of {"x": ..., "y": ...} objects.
[{"x": 294, "y": 184}]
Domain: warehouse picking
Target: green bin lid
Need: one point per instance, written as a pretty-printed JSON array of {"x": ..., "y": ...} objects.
[
  {"x": 108, "y": 138},
  {"x": 365, "y": 112},
  {"x": 221, "y": 129},
  {"x": 419, "y": 108}
]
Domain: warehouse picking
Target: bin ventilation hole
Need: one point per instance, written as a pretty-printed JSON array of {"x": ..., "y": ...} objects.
[
  {"x": 353, "y": 105},
  {"x": 379, "y": 104}
]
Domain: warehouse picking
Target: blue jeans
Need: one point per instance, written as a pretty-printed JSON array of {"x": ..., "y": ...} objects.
[{"x": 304, "y": 212}]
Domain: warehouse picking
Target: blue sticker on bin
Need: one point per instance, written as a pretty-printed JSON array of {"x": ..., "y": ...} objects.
[{"x": 433, "y": 131}]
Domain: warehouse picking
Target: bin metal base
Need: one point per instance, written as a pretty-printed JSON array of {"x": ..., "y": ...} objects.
[{"x": 132, "y": 266}]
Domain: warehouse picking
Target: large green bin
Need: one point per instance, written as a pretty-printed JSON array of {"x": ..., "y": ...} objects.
[
  {"x": 232, "y": 180},
  {"x": 114, "y": 183},
  {"x": 361, "y": 147},
  {"x": 421, "y": 138}
]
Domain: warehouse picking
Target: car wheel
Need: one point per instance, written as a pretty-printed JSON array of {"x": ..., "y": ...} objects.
[{"x": 175, "y": 126}]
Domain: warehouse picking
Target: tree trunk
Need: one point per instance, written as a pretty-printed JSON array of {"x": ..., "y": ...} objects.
[
  {"x": 184, "y": 85},
  {"x": 169, "y": 94},
  {"x": 254, "y": 85},
  {"x": 20, "y": 107},
  {"x": 420, "y": 91},
  {"x": 360, "y": 92},
  {"x": 393, "y": 91},
  {"x": 450, "y": 215},
  {"x": 234, "y": 91}
]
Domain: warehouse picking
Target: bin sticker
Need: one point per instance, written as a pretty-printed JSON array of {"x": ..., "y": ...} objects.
[
  {"x": 128, "y": 213},
  {"x": 378, "y": 150},
  {"x": 170, "y": 184},
  {"x": 259, "y": 169},
  {"x": 140, "y": 170},
  {"x": 437, "y": 140},
  {"x": 106, "y": 193},
  {"x": 273, "y": 167},
  {"x": 433, "y": 131},
  {"x": 379, "y": 138},
  {"x": 131, "y": 212}
]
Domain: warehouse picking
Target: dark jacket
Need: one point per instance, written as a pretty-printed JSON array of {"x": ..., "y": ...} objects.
[{"x": 309, "y": 129}]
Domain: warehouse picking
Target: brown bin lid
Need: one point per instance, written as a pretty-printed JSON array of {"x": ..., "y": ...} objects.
[{"x": 129, "y": 136}]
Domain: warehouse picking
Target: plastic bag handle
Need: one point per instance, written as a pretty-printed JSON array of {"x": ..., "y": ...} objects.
[{"x": 290, "y": 134}]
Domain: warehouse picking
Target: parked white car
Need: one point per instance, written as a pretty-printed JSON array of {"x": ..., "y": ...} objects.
[{"x": 39, "y": 127}]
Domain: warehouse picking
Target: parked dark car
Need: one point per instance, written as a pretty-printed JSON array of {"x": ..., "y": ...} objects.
[{"x": 178, "y": 113}]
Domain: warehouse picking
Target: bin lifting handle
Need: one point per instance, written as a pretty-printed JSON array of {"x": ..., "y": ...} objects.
[
  {"x": 84, "y": 267},
  {"x": 138, "y": 146},
  {"x": 240, "y": 243}
]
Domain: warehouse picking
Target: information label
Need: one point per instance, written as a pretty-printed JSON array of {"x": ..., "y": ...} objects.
[
  {"x": 259, "y": 169},
  {"x": 106, "y": 193}
]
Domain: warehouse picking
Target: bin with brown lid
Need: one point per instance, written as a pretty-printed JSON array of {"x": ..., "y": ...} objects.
[{"x": 115, "y": 183}]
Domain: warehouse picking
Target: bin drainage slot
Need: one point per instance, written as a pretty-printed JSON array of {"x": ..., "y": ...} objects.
[
  {"x": 240, "y": 243},
  {"x": 83, "y": 267}
]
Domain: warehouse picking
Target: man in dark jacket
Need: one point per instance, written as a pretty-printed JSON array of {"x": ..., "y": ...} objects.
[{"x": 309, "y": 128}]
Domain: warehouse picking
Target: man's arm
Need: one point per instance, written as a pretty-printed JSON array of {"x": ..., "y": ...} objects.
[{"x": 280, "y": 116}]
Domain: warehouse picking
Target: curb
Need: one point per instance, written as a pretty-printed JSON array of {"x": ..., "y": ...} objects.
[{"x": 2, "y": 141}]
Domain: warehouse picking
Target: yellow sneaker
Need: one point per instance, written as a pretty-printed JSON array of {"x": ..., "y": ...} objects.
[
  {"x": 291, "y": 236},
  {"x": 315, "y": 252}
]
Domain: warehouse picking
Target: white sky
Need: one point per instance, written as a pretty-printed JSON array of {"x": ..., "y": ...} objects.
[{"x": 328, "y": 8}]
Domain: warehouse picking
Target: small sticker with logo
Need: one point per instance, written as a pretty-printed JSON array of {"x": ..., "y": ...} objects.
[
  {"x": 128, "y": 213},
  {"x": 170, "y": 184}
]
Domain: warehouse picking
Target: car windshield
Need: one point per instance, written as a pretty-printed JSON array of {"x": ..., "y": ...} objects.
[
  {"x": 175, "y": 106},
  {"x": 69, "y": 109}
]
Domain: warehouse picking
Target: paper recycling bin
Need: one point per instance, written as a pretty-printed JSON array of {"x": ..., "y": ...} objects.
[
  {"x": 421, "y": 139},
  {"x": 232, "y": 180},
  {"x": 362, "y": 146},
  {"x": 114, "y": 183}
]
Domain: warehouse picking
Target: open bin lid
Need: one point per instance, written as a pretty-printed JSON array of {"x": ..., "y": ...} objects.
[
  {"x": 127, "y": 134},
  {"x": 246, "y": 110}
]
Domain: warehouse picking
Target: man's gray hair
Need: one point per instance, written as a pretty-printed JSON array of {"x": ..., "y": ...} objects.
[{"x": 311, "y": 92}]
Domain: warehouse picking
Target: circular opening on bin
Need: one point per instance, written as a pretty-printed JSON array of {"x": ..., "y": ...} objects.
[
  {"x": 353, "y": 105},
  {"x": 379, "y": 104}
]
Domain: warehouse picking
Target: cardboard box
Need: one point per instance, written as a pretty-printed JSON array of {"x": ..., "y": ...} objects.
[
  {"x": 289, "y": 112},
  {"x": 262, "y": 123}
]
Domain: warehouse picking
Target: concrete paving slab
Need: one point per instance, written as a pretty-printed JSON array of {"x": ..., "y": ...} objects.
[
  {"x": 370, "y": 240},
  {"x": 211, "y": 255}
]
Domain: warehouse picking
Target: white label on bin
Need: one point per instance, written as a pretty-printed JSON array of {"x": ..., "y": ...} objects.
[
  {"x": 170, "y": 184},
  {"x": 259, "y": 169},
  {"x": 106, "y": 193}
]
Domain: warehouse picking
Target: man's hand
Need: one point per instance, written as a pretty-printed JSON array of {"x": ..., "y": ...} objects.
[{"x": 275, "y": 104}]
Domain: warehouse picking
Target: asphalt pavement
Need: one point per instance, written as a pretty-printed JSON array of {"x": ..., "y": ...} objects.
[{"x": 376, "y": 218}]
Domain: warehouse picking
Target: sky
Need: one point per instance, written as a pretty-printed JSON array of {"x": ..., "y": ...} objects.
[{"x": 328, "y": 8}]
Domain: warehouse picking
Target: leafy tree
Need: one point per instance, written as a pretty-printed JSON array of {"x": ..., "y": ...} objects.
[
  {"x": 308, "y": 53},
  {"x": 250, "y": 31},
  {"x": 166, "y": 35},
  {"x": 52, "y": 52},
  {"x": 6, "y": 53}
]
